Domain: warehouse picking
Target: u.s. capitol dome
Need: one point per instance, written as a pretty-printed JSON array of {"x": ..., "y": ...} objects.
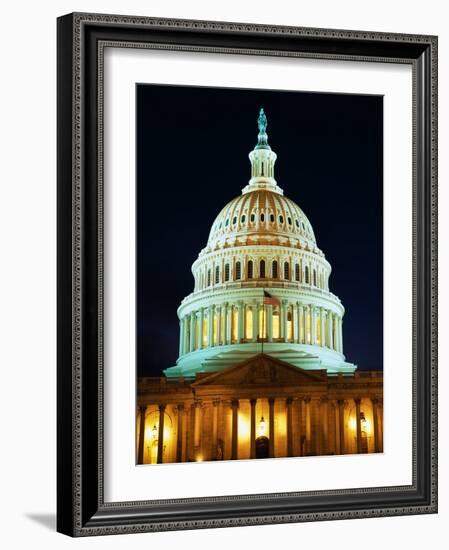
[{"x": 261, "y": 284}]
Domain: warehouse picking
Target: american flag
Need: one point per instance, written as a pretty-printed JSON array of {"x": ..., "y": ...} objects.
[{"x": 270, "y": 300}]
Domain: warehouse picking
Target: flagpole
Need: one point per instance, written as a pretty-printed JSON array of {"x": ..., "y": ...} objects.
[{"x": 263, "y": 316}]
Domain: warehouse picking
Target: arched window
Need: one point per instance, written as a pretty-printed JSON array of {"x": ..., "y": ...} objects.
[
  {"x": 289, "y": 221},
  {"x": 227, "y": 272},
  {"x": 274, "y": 269},
  {"x": 262, "y": 217},
  {"x": 262, "y": 269},
  {"x": 243, "y": 218},
  {"x": 281, "y": 219},
  {"x": 286, "y": 271},
  {"x": 250, "y": 269},
  {"x": 314, "y": 277},
  {"x": 208, "y": 277},
  {"x": 252, "y": 218},
  {"x": 307, "y": 274},
  {"x": 234, "y": 220},
  {"x": 297, "y": 223},
  {"x": 272, "y": 218},
  {"x": 238, "y": 270},
  {"x": 227, "y": 222},
  {"x": 297, "y": 272},
  {"x": 217, "y": 275}
]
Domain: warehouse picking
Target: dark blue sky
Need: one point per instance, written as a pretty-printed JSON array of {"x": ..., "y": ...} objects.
[{"x": 192, "y": 158}]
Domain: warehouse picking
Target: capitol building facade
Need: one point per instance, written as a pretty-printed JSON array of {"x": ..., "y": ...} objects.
[{"x": 261, "y": 371}]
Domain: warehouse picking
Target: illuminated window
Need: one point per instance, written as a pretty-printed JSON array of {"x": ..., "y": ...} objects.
[
  {"x": 297, "y": 272},
  {"x": 263, "y": 323},
  {"x": 308, "y": 327},
  {"x": 307, "y": 274},
  {"x": 274, "y": 269},
  {"x": 262, "y": 269},
  {"x": 275, "y": 323},
  {"x": 217, "y": 274},
  {"x": 227, "y": 272},
  {"x": 235, "y": 322},
  {"x": 205, "y": 331},
  {"x": 248, "y": 323},
  {"x": 289, "y": 324},
  {"x": 286, "y": 271},
  {"x": 250, "y": 269},
  {"x": 238, "y": 270}
]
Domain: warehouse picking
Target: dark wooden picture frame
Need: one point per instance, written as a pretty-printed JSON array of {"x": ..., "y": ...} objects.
[{"x": 81, "y": 509}]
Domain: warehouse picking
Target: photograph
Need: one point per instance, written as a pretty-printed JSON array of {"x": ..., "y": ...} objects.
[{"x": 259, "y": 274}]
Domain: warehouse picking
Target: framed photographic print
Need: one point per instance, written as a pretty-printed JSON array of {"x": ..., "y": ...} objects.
[{"x": 246, "y": 274}]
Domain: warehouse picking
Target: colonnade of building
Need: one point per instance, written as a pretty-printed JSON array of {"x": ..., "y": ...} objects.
[
  {"x": 230, "y": 429},
  {"x": 235, "y": 323}
]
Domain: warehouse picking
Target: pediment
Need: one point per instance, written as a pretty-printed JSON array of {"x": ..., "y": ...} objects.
[{"x": 262, "y": 370}]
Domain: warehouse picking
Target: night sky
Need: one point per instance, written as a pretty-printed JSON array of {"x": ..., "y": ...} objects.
[{"x": 192, "y": 158}]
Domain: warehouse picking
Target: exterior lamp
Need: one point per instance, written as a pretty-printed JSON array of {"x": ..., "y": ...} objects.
[{"x": 262, "y": 427}]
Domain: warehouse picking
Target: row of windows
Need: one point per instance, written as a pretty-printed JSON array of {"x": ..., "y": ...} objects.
[
  {"x": 262, "y": 219},
  {"x": 310, "y": 275}
]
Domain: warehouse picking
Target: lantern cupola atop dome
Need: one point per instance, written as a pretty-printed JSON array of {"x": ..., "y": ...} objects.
[{"x": 262, "y": 161}]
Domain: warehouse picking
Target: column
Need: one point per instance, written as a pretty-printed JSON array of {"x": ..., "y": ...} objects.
[
  {"x": 271, "y": 426},
  {"x": 375, "y": 402},
  {"x": 313, "y": 324},
  {"x": 181, "y": 337},
  {"x": 329, "y": 330},
  {"x": 253, "y": 428},
  {"x": 341, "y": 334},
  {"x": 308, "y": 426},
  {"x": 218, "y": 317},
  {"x": 301, "y": 324},
  {"x": 179, "y": 432},
  {"x": 160, "y": 440},
  {"x": 269, "y": 314},
  {"x": 255, "y": 308},
  {"x": 295, "y": 323},
  {"x": 322, "y": 342},
  {"x": 235, "y": 429},
  {"x": 228, "y": 323},
  {"x": 215, "y": 405},
  {"x": 142, "y": 410},
  {"x": 289, "y": 407},
  {"x": 341, "y": 424},
  {"x": 241, "y": 321},
  {"x": 225, "y": 324},
  {"x": 200, "y": 346},
  {"x": 192, "y": 330},
  {"x": 283, "y": 319},
  {"x": 358, "y": 425},
  {"x": 210, "y": 326},
  {"x": 197, "y": 430},
  {"x": 300, "y": 431},
  {"x": 325, "y": 425},
  {"x": 336, "y": 329}
]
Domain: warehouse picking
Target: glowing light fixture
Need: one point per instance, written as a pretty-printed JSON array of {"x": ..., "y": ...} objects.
[
  {"x": 154, "y": 432},
  {"x": 261, "y": 429}
]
